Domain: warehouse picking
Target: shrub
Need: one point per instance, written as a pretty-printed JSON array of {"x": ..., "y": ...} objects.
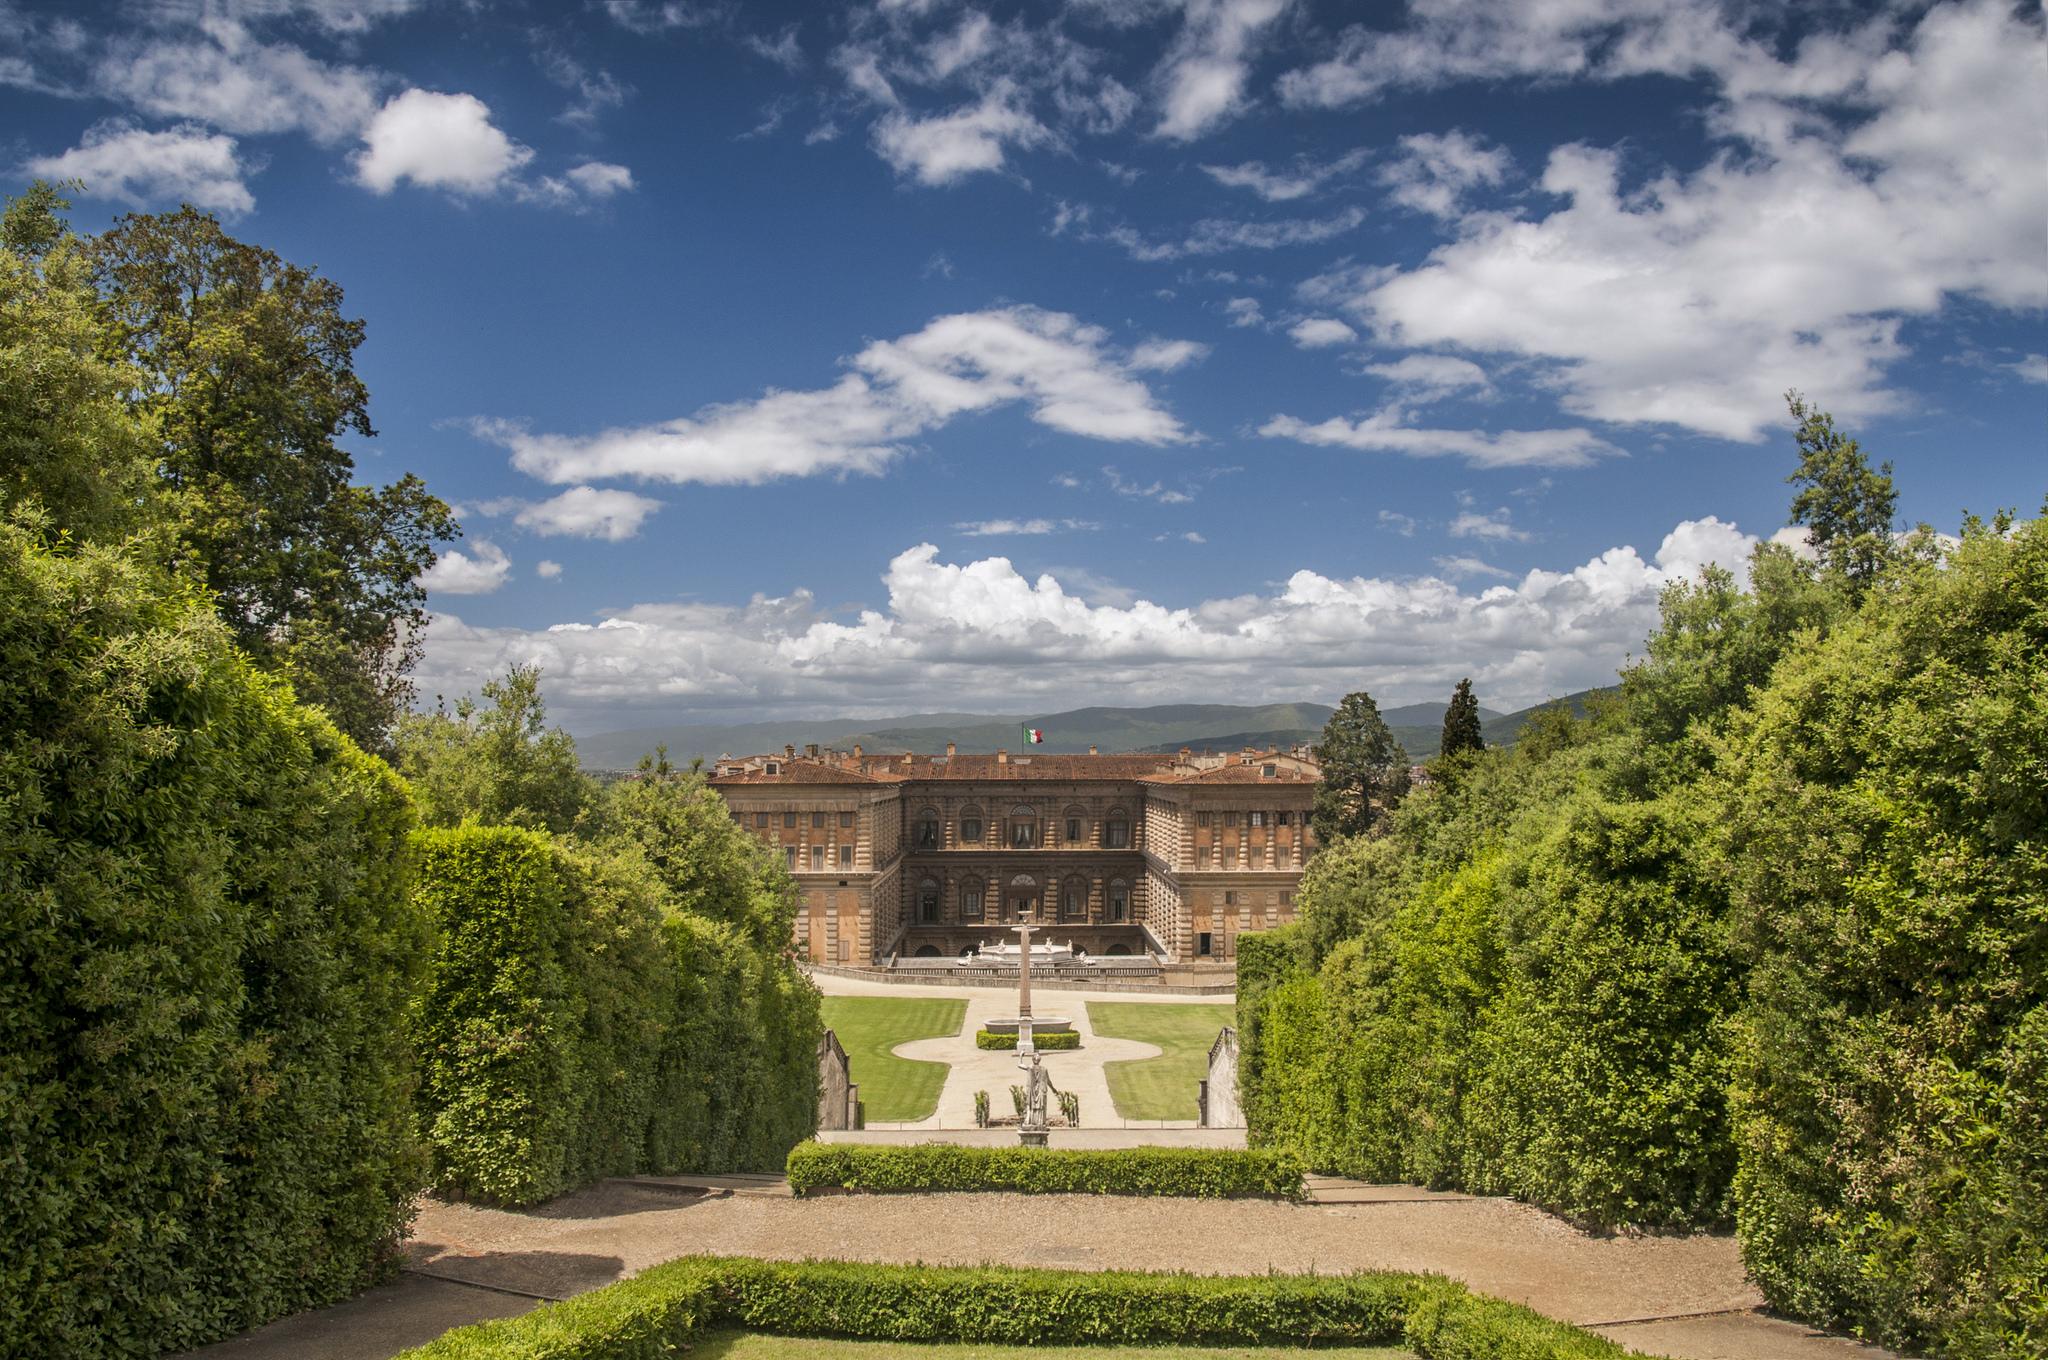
[
  {"x": 204, "y": 1082},
  {"x": 1052, "y": 1041},
  {"x": 543, "y": 1022},
  {"x": 575, "y": 1029},
  {"x": 981, "y": 1109},
  {"x": 1200, "y": 1172},
  {"x": 1886, "y": 840},
  {"x": 664, "y": 1309}
]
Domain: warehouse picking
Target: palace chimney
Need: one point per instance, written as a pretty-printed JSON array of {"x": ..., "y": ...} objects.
[
  {"x": 1002, "y": 757},
  {"x": 949, "y": 748},
  {"x": 856, "y": 750},
  {"x": 1091, "y": 750},
  {"x": 789, "y": 751}
]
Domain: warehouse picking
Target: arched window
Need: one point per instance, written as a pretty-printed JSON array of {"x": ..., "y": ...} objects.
[
  {"x": 1023, "y": 830},
  {"x": 924, "y": 834},
  {"x": 1074, "y": 899},
  {"x": 1116, "y": 830},
  {"x": 971, "y": 829},
  {"x": 928, "y": 902},
  {"x": 1119, "y": 900},
  {"x": 1076, "y": 818},
  {"x": 972, "y": 900}
]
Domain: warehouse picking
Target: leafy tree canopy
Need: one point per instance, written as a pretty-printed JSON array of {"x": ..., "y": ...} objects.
[
  {"x": 70, "y": 449},
  {"x": 244, "y": 365},
  {"x": 496, "y": 763},
  {"x": 1847, "y": 507},
  {"x": 1365, "y": 771}
]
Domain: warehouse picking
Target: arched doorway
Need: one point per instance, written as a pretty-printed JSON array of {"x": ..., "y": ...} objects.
[{"x": 1021, "y": 899}]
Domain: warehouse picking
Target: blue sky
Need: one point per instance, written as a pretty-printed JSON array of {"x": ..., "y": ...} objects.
[{"x": 924, "y": 355}]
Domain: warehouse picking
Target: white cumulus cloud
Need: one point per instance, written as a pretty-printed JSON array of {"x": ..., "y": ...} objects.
[
  {"x": 1319, "y": 332},
  {"x": 948, "y": 147},
  {"x": 223, "y": 77},
  {"x": 1387, "y": 431},
  {"x": 477, "y": 572},
  {"x": 952, "y": 630},
  {"x": 185, "y": 164},
  {"x": 1202, "y": 78},
  {"x": 438, "y": 141},
  {"x": 1062, "y": 369},
  {"x": 1281, "y": 186}
]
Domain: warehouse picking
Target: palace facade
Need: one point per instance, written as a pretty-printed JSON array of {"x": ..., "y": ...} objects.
[{"x": 1166, "y": 857}]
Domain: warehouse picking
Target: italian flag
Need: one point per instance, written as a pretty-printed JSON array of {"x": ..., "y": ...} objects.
[{"x": 1034, "y": 736}]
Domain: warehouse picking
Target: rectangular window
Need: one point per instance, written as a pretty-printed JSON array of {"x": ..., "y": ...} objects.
[
  {"x": 970, "y": 831},
  {"x": 1020, "y": 835},
  {"x": 1071, "y": 902},
  {"x": 1230, "y": 819},
  {"x": 817, "y": 859},
  {"x": 846, "y": 821},
  {"x": 789, "y": 819},
  {"x": 1229, "y": 859},
  {"x": 1270, "y": 771},
  {"x": 1073, "y": 830},
  {"x": 1202, "y": 819},
  {"x": 970, "y": 904},
  {"x": 1204, "y": 944},
  {"x": 846, "y": 857},
  {"x": 817, "y": 821},
  {"x": 789, "y": 858},
  {"x": 1284, "y": 818},
  {"x": 1116, "y": 835},
  {"x": 1201, "y": 857},
  {"x": 1119, "y": 903},
  {"x": 1286, "y": 899},
  {"x": 761, "y": 820},
  {"x": 1229, "y": 899},
  {"x": 1257, "y": 818}
]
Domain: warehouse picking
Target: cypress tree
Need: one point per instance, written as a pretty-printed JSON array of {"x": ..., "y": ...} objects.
[{"x": 1461, "y": 722}]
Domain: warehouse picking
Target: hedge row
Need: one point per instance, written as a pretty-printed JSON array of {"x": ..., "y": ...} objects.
[
  {"x": 575, "y": 1027},
  {"x": 206, "y": 950},
  {"x": 1053, "y": 1041},
  {"x": 1196, "y": 1172},
  {"x": 663, "y": 1310}
]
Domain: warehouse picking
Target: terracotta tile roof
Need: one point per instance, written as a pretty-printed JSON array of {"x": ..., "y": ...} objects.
[
  {"x": 1238, "y": 774},
  {"x": 800, "y": 771},
  {"x": 1020, "y": 768}
]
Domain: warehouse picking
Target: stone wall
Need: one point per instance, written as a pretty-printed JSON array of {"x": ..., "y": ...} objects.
[
  {"x": 1220, "y": 1109},
  {"x": 838, "y": 1094}
]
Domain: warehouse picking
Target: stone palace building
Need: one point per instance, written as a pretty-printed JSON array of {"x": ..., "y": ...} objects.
[{"x": 1159, "y": 858}]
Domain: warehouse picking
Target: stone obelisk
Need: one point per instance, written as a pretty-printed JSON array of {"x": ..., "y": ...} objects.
[{"x": 1031, "y": 1131}]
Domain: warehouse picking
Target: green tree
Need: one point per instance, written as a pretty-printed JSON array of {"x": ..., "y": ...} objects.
[
  {"x": 1461, "y": 723},
  {"x": 1365, "y": 771},
  {"x": 70, "y": 449},
  {"x": 245, "y": 365},
  {"x": 1848, "y": 508},
  {"x": 496, "y": 763}
]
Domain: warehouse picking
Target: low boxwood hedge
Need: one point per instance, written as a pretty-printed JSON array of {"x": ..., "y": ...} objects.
[
  {"x": 1208, "y": 1173},
  {"x": 1054, "y": 1041},
  {"x": 662, "y": 1310}
]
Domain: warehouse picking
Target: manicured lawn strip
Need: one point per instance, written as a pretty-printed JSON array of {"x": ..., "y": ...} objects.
[
  {"x": 672, "y": 1306},
  {"x": 1186, "y": 1172},
  {"x": 1162, "y": 1087},
  {"x": 894, "y": 1090},
  {"x": 761, "y": 1346}
]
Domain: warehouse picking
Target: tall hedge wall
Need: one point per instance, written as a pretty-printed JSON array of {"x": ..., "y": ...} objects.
[
  {"x": 206, "y": 947},
  {"x": 576, "y": 1025},
  {"x": 1777, "y": 951}
]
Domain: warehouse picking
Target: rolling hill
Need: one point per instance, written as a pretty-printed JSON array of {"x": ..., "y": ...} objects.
[{"x": 1165, "y": 727}]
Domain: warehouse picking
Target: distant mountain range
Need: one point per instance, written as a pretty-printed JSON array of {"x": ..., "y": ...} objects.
[{"x": 1164, "y": 728}]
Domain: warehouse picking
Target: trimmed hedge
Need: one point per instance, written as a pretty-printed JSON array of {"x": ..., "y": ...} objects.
[
  {"x": 206, "y": 951},
  {"x": 664, "y": 1309},
  {"x": 1056, "y": 1041},
  {"x": 576, "y": 1028},
  {"x": 1207, "y": 1173}
]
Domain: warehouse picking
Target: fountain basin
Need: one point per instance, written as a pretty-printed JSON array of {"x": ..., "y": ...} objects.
[{"x": 1040, "y": 1024}]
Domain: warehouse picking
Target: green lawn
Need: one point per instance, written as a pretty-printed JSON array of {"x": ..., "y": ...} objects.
[
  {"x": 895, "y": 1090},
  {"x": 1162, "y": 1087},
  {"x": 756, "y": 1346}
]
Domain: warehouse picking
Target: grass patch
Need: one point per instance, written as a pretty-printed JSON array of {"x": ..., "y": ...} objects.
[
  {"x": 1162, "y": 1087},
  {"x": 757, "y": 1346},
  {"x": 894, "y": 1090}
]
